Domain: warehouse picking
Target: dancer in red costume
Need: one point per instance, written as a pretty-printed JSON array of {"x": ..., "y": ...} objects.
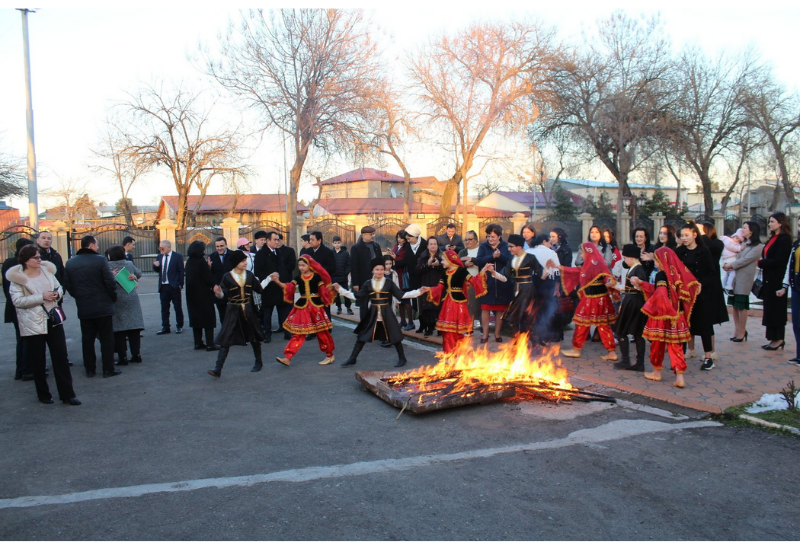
[
  {"x": 451, "y": 293},
  {"x": 668, "y": 308},
  {"x": 596, "y": 307},
  {"x": 308, "y": 314}
]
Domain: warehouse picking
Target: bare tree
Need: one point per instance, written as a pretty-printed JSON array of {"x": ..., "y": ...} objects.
[
  {"x": 775, "y": 112},
  {"x": 13, "y": 177},
  {"x": 390, "y": 124},
  {"x": 73, "y": 201},
  {"x": 124, "y": 167},
  {"x": 308, "y": 72},
  {"x": 486, "y": 79},
  {"x": 611, "y": 98},
  {"x": 707, "y": 120},
  {"x": 171, "y": 129}
]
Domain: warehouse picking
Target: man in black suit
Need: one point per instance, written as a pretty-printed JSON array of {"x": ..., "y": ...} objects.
[
  {"x": 169, "y": 266},
  {"x": 272, "y": 258},
  {"x": 323, "y": 256},
  {"x": 259, "y": 241},
  {"x": 362, "y": 253},
  {"x": 220, "y": 264},
  {"x": 129, "y": 243},
  {"x": 450, "y": 240}
]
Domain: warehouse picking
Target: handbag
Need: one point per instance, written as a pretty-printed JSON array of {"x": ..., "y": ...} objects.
[
  {"x": 406, "y": 282},
  {"x": 56, "y": 316},
  {"x": 758, "y": 287}
]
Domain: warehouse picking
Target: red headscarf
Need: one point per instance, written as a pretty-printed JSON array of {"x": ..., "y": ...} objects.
[
  {"x": 594, "y": 268},
  {"x": 324, "y": 289},
  {"x": 682, "y": 284},
  {"x": 453, "y": 258}
]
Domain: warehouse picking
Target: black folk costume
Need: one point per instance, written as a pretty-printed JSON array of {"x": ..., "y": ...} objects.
[
  {"x": 525, "y": 272},
  {"x": 378, "y": 321},
  {"x": 240, "y": 324},
  {"x": 631, "y": 320}
]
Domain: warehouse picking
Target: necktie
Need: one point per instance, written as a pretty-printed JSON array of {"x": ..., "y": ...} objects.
[{"x": 164, "y": 269}]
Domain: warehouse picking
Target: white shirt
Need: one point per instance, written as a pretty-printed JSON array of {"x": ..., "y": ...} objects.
[
  {"x": 473, "y": 253},
  {"x": 542, "y": 254}
]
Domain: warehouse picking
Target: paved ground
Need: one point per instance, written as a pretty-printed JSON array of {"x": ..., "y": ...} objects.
[{"x": 164, "y": 451}]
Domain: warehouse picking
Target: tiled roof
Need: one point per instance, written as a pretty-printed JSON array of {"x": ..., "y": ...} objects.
[
  {"x": 343, "y": 207},
  {"x": 365, "y": 174},
  {"x": 541, "y": 199},
  {"x": 245, "y": 203}
]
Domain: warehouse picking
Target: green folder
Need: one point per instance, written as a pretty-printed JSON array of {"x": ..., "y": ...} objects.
[{"x": 122, "y": 279}]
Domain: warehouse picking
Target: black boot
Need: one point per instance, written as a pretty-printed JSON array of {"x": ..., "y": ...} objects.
[
  {"x": 354, "y": 355},
  {"x": 624, "y": 354},
  {"x": 401, "y": 356},
  {"x": 257, "y": 352},
  {"x": 221, "y": 356},
  {"x": 640, "y": 349}
]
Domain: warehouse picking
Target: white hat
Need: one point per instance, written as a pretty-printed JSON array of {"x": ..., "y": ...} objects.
[{"x": 414, "y": 230}]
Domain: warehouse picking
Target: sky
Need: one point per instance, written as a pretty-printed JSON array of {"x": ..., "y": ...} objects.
[{"x": 85, "y": 60}]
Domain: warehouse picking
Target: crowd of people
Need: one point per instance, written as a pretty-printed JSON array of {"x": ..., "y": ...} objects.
[{"x": 666, "y": 292}]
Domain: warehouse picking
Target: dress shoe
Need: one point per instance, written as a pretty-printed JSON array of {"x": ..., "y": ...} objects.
[
  {"x": 90, "y": 374},
  {"x": 26, "y": 377},
  {"x": 112, "y": 373},
  {"x": 70, "y": 363},
  {"x": 199, "y": 346},
  {"x": 215, "y": 373},
  {"x": 350, "y": 312},
  {"x": 122, "y": 362},
  {"x": 328, "y": 360},
  {"x": 163, "y": 331},
  {"x": 71, "y": 401},
  {"x": 136, "y": 359},
  {"x": 428, "y": 333},
  {"x": 420, "y": 330},
  {"x": 339, "y": 311},
  {"x": 212, "y": 347},
  {"x": 257, "y": 367},
  {"x": 48, "y": 401},
  {"x": 17, "y": 377},
  {"x": 179, "y": 330},
  {"x": 283, "y": 361},
  {"x": 386, "y": 344}
]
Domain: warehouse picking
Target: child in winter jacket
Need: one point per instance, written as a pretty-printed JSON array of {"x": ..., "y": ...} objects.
[{"x": 733, "y": 245}]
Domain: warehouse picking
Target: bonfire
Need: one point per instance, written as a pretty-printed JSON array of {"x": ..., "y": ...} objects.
[{"x": 468, "y": 376}]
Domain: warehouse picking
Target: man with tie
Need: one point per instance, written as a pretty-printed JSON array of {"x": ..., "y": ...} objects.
[
  {"x": 220, "y": 264},
  {"x": 169, "y": 266},
  {"x": 272, "y": 259}
]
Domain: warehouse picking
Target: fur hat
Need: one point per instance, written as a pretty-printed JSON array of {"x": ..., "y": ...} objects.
[
  {"x": 367, "y": 229},
  {"x": 377, "y": 261},
  {"x": 237, "y": 257},
  {"x": 631, "y": 251},
  {"x": 517, "y": 240},
  {"x": 414, "y": 230}
]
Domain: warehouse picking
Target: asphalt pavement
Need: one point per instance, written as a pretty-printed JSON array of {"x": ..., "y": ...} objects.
[{"x": 165, "y": 451}]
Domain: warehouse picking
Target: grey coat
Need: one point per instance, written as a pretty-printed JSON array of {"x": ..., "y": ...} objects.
[
  {"x": 127, "y": 309},
  {"x": 745, "y": 266}
]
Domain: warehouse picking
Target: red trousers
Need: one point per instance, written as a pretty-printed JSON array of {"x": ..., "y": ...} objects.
[
  {"x": 582, "y": 333},
  {"x": 676, "y": 356},
  {"x": 450, "y": 340},
  {"x": 324, "y": 339}
]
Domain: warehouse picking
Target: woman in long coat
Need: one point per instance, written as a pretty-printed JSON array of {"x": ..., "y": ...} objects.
[
  {"x": 744, "y": 267},
  {"x": 200, "y": 297},
  {"x": 128, "y": 320},
  {"x": 498, "y": 294},
  {"x": 773, "y": 262},
  {"x": 718, "y": 310}
]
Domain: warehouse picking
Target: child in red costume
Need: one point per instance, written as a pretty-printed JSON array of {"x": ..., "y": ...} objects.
[
  {"x": 668, "y": 308},
  {"x": 451, "y": 292},
  {"x": 308, "y": 314},
  {"x": 596, "y": 307}
]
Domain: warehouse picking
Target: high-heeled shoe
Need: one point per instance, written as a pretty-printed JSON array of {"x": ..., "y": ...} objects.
[
  {"x": 735, "y": 339},
  {"x": 769, "y": 348}
]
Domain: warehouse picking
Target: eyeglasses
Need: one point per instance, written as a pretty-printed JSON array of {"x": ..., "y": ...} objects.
[
  {"x": 37, "y": 258},
  {"x": 469, "y": 239}
]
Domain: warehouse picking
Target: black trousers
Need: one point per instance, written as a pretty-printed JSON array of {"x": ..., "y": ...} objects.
[
  {"x": 23, "y": 367},
  {"x": 35, "y": 350},
  {"x": 170, "y": 295},
  {"x": 266, "y": 317},
  {"x": 99, "y": 328},
  {"x": 120, "y": 345}
]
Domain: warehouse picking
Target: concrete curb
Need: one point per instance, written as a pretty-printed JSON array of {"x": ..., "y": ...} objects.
[{"x": 760, "y": 422}]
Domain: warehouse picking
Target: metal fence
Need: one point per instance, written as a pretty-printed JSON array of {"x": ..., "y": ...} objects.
[
  {"x": 10, "y": 236},
  {"x": 330, "y": 228},
  {"x": 572, "y": 227}
]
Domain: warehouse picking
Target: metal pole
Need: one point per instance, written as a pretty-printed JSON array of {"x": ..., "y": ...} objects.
[{"x": 33, "y": 192}]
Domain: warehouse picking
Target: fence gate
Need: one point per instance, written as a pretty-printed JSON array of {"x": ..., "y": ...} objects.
[
  {"x": 505, "y": 223},
  {"x": 573, "y": 228},
  {"x": 331, "y": 228},
  {"x": 207, "y": 235},
  {"x": 111, "y": 234},
  {"x": 10, "y": 236},
  {"x": 386, "y": 229},
  {"x": 439, "y": 225}
]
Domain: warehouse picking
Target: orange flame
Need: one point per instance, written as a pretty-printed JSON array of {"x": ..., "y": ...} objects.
[{"x": 467, "y": 370}]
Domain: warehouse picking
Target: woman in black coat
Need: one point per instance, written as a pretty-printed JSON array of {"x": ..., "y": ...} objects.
[
  {"x": 697, "y": 258},
  {"x": 773, "y": 262},
  {"x": 430, "y": 270},
  {"x": 717, "y": 308},
  {"x": 200, "y": 297}
]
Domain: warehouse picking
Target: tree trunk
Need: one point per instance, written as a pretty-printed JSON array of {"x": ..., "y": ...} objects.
[
  {"x": 450, "y": 192},
  {"x": 183, "y": 211},
  {"x": 126, "y": 209},
  {"x": 708, "y": 199},
  {"x": 787, "y": 183},
  {"x": 294, "y": 185}
]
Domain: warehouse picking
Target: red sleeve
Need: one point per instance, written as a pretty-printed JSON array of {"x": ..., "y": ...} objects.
[
  {"x": 435, "y": 294},
  {"x": 479, "y": 284},
  {"x": 658, "y": 306},
  {"x": 647, "y": 288},
  {"x": 325, "y": 294},
  {"x": 288, "y": 293},
  {"x": 570, "y": 278}
]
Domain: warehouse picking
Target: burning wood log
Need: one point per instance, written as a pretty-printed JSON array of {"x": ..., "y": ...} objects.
[{"x": 470, "y": 376}]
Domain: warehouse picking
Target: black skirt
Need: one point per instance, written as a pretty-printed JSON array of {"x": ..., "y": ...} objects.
[{"x": 241, "y": 325}]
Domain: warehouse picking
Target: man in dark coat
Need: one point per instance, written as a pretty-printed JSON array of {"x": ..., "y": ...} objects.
[
  {"x": 259, "y": 241},
  {"x": 323, "y": 256},
  {"x": 129, "y": 243},
  {"x": 342, "y": 257},
  {"x": 23, "y": 371},
  {"x": 90, "y": 281},
  {"x": 169, "y": 266},
  {"x": 361, "y": 255},
  {"x": 200, "y": 297},
  {"x": 272, "y": 258},
  {"x": 449, "y": 240},
  {"x": 219, "y": 262}
]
